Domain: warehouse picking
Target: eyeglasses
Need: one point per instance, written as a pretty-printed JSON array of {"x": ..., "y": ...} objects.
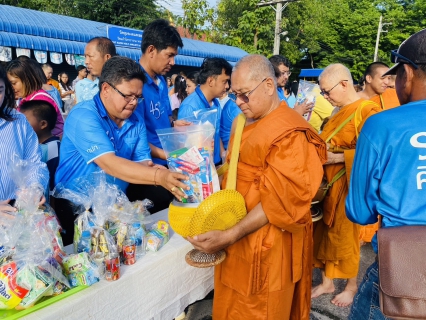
[
  {"x": 285, "y": 73},
  {"x": 327, "y": 93},
  {"x": 128, "y": 97},
  {"x": 244, "y": 97},
  {"x": 398, "y": 58}
]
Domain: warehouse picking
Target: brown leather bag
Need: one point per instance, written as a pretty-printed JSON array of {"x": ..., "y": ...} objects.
[{"x": 402, "y": 271}]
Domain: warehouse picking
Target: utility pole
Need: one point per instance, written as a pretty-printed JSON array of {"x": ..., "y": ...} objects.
[
  {"x": 379, "y": 31},
  {"x": 281, "y": 5}
]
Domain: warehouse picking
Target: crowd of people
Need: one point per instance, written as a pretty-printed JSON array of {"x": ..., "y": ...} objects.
[{"x": 359, "y": 140}]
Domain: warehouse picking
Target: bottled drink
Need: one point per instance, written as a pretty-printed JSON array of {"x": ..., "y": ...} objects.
[
  {"x": 139, "y": 235},
  {"x": 85, "y": 242}
]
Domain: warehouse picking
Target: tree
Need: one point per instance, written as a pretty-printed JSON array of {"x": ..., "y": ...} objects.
[
  {"x": 128, "y": 13},
  {"x": 197, "y": 14}
]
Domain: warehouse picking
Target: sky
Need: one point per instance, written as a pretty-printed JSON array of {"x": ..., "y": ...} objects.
[{"x": 175, "y": 6}]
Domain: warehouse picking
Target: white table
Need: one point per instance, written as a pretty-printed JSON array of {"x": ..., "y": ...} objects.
[{"x": 159, "y": 286}]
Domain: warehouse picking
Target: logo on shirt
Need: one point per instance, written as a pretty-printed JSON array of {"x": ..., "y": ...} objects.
[
  {"x": 92, "y": 149},
  {"x": 418, "y": 144},
  {"x": 155, "y": 110}
]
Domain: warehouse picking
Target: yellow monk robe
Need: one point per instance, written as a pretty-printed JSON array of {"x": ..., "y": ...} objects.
[
  {"x": 268, "y": 274},
  {"x": 387, "y": 100},
  {"x": 336, "y": 239}
]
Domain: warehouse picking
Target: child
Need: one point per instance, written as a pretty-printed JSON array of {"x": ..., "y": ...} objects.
[{"x": 42, "y": 117}]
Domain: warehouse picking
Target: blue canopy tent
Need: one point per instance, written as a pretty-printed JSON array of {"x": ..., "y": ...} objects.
[
  {"x": 36, "y": 30},
  {"x": 310, "y": 73}
]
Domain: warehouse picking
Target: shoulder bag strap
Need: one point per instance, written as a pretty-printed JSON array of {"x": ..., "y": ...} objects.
[
  {"x": 340, "y": 127},
  {"x": 231, "y": 183}
]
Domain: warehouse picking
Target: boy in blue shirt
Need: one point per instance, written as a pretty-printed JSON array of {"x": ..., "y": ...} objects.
[
  {"x": 42, "y": 117},
  {"x": 213, "y": 80}
]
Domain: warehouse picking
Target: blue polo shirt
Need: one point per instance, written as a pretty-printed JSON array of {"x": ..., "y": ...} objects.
[
  {"x": 155, "y": 110},
  {"x": 281, "y": 95},
  {"x": 388, "y": 174},
  {"x": 86, "y": 89},
  {"x": 90, "y": 133},
  {"x": 197, "y": 101},
  {"x": 229, "y": 113}
]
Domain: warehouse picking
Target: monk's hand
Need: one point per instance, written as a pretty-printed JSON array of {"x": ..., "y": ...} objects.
[
  {"x": 304, "y": 107},
  {"x": 212, "y": 241},
  {"x": 333, "y": 158},
  {"x": 172, "y": 182}
]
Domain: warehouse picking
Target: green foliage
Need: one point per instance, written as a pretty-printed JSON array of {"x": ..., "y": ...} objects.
[
  {"x": 129, "y": 13},
  {"x": 320, "y": 32}
]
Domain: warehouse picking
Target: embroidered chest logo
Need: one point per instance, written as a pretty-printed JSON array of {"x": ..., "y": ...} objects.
[{"x": 155, "y": 109}]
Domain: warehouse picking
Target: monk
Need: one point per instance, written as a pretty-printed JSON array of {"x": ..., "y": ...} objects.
[
  {"x": 378, "y": 86},
  {"x": 267, "y": 272},
  {"x": 377, "y": 89},
  {"x": 336, "y": 239}
]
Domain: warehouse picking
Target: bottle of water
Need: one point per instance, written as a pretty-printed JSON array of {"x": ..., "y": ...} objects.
[
  {"x": 139, "y": 234},
  {"x": 85, "y": 242}
]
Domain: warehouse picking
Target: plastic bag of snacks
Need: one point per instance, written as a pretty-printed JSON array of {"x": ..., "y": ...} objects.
[
  {"x": 158, "y": 236},
  {"x": 81, "y": 269},
  {"x": 189, "y": 151}
]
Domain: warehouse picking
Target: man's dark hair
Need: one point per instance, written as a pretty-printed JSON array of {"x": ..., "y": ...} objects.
[
  {"x": 372, "y": 68},
  {"x": 80, "y": 67},
  {"x": 119, "y": 69},
  {"x": 213, "y": 67},
  {"x": 160, "y": 34},
  {"x": 23, "y": 58},
  {"x": 278, "y": 60},
  {"x": 104, "y": 46},
  {"x": 42, "y": 110}
]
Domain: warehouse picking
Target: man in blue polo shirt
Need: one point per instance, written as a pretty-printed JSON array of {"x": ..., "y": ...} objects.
[
  {"x": 106, "y": 134},
  {"x": 213, "y": 78},
  {"x": 388, "y": 175},
  {"x": 160, "y": 43}
]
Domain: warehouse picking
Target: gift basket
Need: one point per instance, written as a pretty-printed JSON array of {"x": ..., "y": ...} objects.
[{"x": 189, "y": 150}]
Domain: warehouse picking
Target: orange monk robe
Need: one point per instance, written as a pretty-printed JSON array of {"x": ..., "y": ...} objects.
[
  {"x": 268, "y": 273},
  {"x": 54, "y": 83},
  {"x": 336, "y": 239},
  {"x": 387, "y": 100}
]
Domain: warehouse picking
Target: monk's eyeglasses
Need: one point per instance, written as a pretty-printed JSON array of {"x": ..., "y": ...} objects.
[
  {"x": 327, "y": 93},
  {"x": 244, "y": 97},
  {"x": 128, "y": 97}
]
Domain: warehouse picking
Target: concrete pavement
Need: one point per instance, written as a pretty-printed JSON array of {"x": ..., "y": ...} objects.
[{"x": 322, "y": 308}]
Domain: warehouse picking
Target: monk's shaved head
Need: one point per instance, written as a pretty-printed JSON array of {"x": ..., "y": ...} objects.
[
  {"x": 334, "y": 73},
  {"x": 256, "y": 66}
]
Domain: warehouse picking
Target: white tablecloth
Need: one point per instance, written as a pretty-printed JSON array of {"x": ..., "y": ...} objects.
[{"x": 159, "y": 286}]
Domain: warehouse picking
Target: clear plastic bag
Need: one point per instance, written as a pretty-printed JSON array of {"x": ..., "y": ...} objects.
[
  {"x": 193, "y": 144},
  {"x": 307, "y": 92}
]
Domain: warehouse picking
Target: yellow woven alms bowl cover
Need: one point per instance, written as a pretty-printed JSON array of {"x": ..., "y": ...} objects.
[{"x": 220, "y": 211}]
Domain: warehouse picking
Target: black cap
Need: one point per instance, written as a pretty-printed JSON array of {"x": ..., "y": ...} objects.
[{"x": 412, "y": 51}]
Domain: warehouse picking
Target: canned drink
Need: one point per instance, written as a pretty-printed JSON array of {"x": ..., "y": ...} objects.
[
  {"x": 112, "y": 267},
  {"x": 129, "y": 252}
]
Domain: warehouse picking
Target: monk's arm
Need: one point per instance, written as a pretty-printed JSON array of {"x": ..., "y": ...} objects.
[{"x": 216, "y": 240}]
